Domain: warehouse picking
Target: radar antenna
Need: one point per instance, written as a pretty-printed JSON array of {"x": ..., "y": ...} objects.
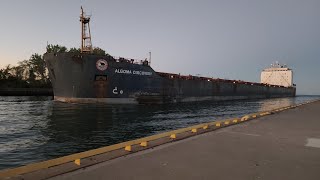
[{"x": 86, "y": 45}]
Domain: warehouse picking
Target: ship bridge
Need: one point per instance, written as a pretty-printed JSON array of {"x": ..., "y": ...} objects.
[{"x": 277, "y": 74}]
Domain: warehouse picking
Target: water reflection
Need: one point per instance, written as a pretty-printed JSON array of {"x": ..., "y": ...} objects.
[
  {"x": 273, "y": 104},
  {"x": 36, "y": 128}
]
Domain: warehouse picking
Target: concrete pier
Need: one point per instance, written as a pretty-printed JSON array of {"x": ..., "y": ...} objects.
[{"x": 280, "y": 146}]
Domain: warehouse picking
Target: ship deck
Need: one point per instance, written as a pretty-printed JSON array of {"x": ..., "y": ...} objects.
[{"x": 201, "y": 78}]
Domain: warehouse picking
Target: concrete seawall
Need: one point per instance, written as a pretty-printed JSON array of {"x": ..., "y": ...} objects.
[{"x": 269, "y": 145}]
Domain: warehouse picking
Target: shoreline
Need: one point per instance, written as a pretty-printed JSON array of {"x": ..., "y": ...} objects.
[{"x": 26, "y": 92}]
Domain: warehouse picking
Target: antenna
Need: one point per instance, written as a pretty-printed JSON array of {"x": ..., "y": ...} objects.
[
  {"x": 86, "y": 45},
  {"x": 150, "y": 57}
]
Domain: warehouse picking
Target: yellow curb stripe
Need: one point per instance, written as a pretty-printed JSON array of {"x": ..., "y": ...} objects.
[
  {"x": 128, "y": 148},
  {"x": 144, "y": 144},
  {"x": 77, "y": 162},
  {"x": 173, "y": 136}
]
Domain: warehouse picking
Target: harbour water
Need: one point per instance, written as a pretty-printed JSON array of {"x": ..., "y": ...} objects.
[{"x": 34, "y": 129}]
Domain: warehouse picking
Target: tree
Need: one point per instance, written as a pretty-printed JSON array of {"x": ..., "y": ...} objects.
[
  {"x": 75, "y": 50},
  {"x": 99, "y": 51},
  {"x": 18, "y": 72},
  {"x": 25, "y": 66},
  {"x": 2, "y": 75},
  {"x": 6, "y": 71},
  {"x": 38, "y": 66},
  {"x": 56, "y": 48}
]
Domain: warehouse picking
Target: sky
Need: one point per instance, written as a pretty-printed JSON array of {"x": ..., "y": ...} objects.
[{"x": 232, "y": 39}]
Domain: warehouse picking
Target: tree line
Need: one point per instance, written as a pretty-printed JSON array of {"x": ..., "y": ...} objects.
[{"x": 32, "y": 72}]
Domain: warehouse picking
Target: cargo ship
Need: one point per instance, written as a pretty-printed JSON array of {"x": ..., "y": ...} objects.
[{"x": 89, "y": 78}]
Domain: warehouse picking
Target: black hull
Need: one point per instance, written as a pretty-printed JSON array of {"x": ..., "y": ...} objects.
[{"x": 92, "y": 78}]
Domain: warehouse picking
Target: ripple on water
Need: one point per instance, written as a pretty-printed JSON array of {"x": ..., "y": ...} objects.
[{"x": 36, "y": 128}]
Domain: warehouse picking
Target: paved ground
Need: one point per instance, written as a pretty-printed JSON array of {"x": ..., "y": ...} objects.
[{"x": 280, "y": 146}]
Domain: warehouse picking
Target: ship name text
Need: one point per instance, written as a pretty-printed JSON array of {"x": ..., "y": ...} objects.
[{"x": 128, "y": 71}]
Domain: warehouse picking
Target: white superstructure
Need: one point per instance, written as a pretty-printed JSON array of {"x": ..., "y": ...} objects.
[{"x": 277, "y": 74}]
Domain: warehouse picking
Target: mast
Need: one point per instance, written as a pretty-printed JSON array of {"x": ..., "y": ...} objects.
[{"x": 86, "y": 45}]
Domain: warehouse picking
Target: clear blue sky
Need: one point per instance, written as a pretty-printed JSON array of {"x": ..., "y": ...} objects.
[{"x": 216, "y": 38}]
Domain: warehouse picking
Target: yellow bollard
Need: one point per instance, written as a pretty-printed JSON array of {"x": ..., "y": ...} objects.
[
  {"x": 218, "y": 124},
  {"x": 144, "y": 144},
  {"x": 194, "y": 130},
  {"x": 244, "y": 118},
  {"x": 226, "y": 123},
  {"x": 127, "y": 148},
  {"x": 77, "y": 162},
  {"x": 235, "y": 121},
  {"x": 173, "y": 136},
  {"x": 205, "y": 127},
  {"x": 254, "y": 116}
]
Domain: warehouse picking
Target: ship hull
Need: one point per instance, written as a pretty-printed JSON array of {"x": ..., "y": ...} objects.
[{"x": 103, "y": 79}]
